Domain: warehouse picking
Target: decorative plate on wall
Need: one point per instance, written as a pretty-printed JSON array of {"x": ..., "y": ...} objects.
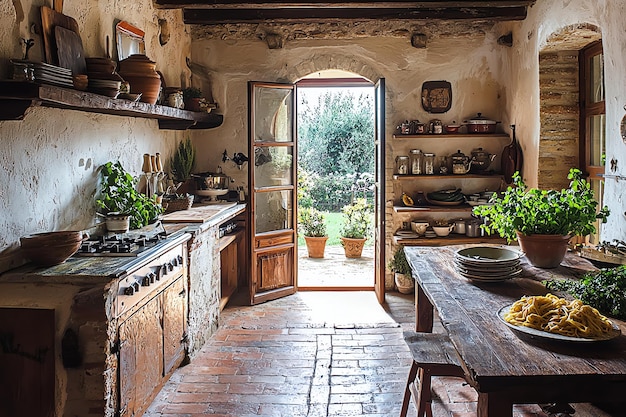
[
  {"x": 622, "y": 128},
  {"x": 436, "y": 96}
]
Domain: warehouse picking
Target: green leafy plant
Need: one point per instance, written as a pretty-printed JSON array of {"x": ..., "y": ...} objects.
[
  {"x": 357, "y": 219},
  {"x": 183, "y": 161},
  {"x": 312, "y": 222},
  {"x": 118, "y": 194},
  {"x": 191, "y": 92},
  {"x": 604, "y": 289},
  {"x": 399, "y": 263},
  {"x": 570, "y": 211}
]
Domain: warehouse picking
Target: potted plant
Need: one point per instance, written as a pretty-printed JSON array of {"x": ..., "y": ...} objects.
[
  {"x": 313, "y": 227},
  {"x": 357, "y": 221},
  {"x": 192, "y": 97},
  {"x": 543, "y": 221},
  {"x": 121, "y": 203},
  {"x": 402, "y": 273}
]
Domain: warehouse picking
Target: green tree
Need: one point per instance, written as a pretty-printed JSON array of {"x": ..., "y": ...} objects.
[{"x": 336, "y": 134}]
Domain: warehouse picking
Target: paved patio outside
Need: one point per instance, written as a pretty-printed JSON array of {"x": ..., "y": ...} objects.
[{"x": 335, "y": 270}]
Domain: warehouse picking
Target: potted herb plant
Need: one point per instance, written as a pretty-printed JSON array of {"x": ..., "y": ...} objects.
[
  {"x": 192, "y": 97},
  {"x": 543, "y": 221},
  {"x": 181, "y": 165},
  {"x": 121, "y": 203},
  {"x": 357, "y": 222},
  {"x": 312, "y": 224},
  {"x": 402, "y": 273}
]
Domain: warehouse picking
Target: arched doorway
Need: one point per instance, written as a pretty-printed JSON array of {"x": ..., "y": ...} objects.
[{"x": 336, "y": 166}]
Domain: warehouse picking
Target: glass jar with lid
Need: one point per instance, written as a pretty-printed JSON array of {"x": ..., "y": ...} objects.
[
  {"x": 416, "y": 162},
  {"x": 429, "y": 163},
  {"x": 402, "y": 165}
]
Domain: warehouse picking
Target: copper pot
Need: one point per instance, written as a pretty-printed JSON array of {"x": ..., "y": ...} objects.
[{"x": 480, "y": 124}]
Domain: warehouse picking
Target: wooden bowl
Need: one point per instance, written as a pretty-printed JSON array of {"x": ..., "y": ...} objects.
[
  {"x": 49, "y": 255},
  {"x": 37, "y": 240}
]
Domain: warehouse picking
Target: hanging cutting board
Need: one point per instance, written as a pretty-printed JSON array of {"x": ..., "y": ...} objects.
[
  {"x": 70, "y": 50},
  {"x": 49, "y": 20},
  {"x": 199, "y": 214},
  {"x": 512, "y": 158}
]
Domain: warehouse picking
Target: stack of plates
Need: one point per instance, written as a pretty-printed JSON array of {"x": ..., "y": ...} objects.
[
  {"x": 487, "y": 263},
  {"x": 42, "y": 73},
  {"x": 105, "y": 84}
]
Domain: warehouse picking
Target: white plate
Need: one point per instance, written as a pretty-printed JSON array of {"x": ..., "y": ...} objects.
[{"x": 554, "y": 336}]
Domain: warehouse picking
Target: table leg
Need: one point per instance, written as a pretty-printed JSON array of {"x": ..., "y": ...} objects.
[
  {"x": 423, "y": 311},
  {"x": 493, "y": 405}
]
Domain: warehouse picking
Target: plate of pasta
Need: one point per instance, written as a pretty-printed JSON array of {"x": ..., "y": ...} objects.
[{"x": 554, "y": 318}]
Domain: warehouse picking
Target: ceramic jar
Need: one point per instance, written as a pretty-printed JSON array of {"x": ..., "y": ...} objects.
[{"x": 141, "y": 73}]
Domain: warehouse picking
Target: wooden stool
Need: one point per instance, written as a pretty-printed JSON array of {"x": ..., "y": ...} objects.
[{"x": 433, "y": 355}]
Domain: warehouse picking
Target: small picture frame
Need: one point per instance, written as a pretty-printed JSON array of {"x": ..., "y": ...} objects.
[{"x": 436, "y": 96}]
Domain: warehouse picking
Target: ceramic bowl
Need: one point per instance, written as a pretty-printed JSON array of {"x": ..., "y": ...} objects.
[
  {"x": 443, "y": 231},
  {"x": 419, "y": 227}
]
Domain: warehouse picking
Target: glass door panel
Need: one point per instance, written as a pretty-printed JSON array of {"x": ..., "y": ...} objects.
[
  {"x": 273, "y": 211},
  {"x": 597, "y": 140},
  {"x": 273, "y": 117},
  {"x": 273, "y": 166}
]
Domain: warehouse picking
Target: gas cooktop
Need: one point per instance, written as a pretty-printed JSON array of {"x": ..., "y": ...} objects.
[{"x": 120, "y": 245}]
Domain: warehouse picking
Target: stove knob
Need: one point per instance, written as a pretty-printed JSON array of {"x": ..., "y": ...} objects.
[
  {"x": 129, "y": 290},
  {"x": 159, "y": 273},
  {"x": 170, "y": 267},
  {"x": 174, "y": 262},
  {"x": 180, "y": 259},
  {"x": 136, "y": 286},
  {"x": 164, "y": 268},
  {"x": 145, "y": 281},
  {"x": 152, "y": 277}
]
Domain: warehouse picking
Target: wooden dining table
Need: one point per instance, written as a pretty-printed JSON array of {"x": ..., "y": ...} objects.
[{"x": 505, "y": 366}]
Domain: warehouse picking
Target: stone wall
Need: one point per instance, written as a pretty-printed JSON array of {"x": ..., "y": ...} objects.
[{"x": 558, "y": 86}]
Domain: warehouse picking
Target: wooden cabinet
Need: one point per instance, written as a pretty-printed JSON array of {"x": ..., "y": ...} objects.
[
  {"x": 17, "y": 97},
  {"x": 151, "y": 346},
  {"x": 233, "y": 260},
  {"x": 444, "y": 145}
]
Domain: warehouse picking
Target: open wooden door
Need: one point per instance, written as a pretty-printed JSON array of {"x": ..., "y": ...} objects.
[
  {"x": 272, "y": 197},
  {"x": 379, "y": 193}
]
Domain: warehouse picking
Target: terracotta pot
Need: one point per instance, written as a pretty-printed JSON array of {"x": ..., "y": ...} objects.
[
  {"x": 543, "y": 251},
  {"x": 404, "y": 282},
  {"x": 353, "y": 247},
  {"x": 193, "y": 104},
  {"x": 140, "y": 72},
  {"x": 315, "y": 246}
]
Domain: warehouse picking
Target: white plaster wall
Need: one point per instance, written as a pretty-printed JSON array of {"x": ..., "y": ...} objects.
[
  {"x": 521, "y": 74},
  {"x": 48, "y": 161}
]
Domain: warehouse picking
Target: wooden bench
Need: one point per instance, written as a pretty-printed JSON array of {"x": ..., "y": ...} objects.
[{"x": 433, "y": 355}]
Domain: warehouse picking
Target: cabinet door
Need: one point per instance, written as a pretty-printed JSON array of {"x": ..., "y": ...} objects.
[
  {"x": 141, "y": 358},
  {"x": 174, "y": 325}
]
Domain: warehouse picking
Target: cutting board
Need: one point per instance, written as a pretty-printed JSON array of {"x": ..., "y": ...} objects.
[
  {"x": 49, "y": 20},
  {"x": 199, "y": 214},
  {"x": 70, "y": 50}
]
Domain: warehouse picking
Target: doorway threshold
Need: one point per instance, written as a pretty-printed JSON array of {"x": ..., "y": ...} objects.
[{"x": 335, "y": 272}]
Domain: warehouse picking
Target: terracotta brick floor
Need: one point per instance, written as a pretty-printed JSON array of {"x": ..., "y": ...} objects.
[{"x": 313, "y": 354}]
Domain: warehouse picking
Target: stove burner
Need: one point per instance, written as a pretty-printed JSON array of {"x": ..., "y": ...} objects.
[{"x": 119, "y": 245}]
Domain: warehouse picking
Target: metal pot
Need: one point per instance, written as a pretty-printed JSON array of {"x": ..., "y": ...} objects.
[
  {"x": 481, "y": 159},
  {"x": 472, "y": 228},
  {"x": 211, "y": 181},
  {"x": 480, "y": 124}
]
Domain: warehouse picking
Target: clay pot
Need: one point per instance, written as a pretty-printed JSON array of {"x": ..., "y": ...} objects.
[
  {"x": 315, "y": 246},
  {"x": 353, "y": 247},
  {"x": 404, "y": 282},
  {"x": 140, "y": 72},
  {"x": 544, "y": 251}
]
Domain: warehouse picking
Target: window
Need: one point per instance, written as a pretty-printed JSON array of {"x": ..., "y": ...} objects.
[{"x": 592, "y": 121}]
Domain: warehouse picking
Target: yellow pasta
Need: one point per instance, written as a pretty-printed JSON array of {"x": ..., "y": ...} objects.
[{"x": 557, "y": 315}]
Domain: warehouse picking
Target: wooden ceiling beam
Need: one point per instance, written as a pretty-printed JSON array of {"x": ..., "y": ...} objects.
[
  {"x": 236, "y": 15},
  {"x": 427, "y": 4}
]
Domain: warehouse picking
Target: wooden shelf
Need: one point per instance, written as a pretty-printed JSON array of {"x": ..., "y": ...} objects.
[
  {"x": 463, "y": 208},
  {"x": 16, "y": 97},
  {"x": 448, "y": 176},
  {"x": 456, "y": 136},
  {"x": 451, "y": 239}
]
